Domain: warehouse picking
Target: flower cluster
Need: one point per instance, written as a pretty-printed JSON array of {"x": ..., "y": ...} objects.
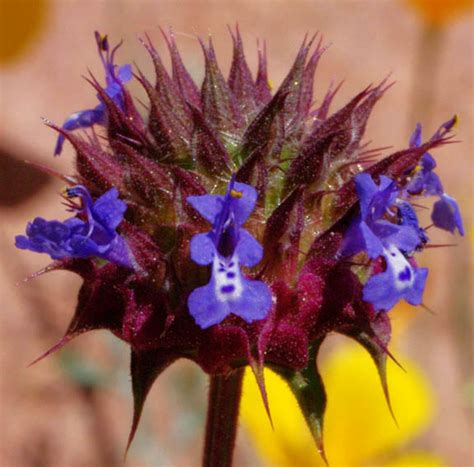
[
  {"x": 388, "y": 228},
  {"x": 309, "y": 233}
]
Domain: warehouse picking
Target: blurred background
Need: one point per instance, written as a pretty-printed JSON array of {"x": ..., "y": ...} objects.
[{"x": 74, "y": 408}]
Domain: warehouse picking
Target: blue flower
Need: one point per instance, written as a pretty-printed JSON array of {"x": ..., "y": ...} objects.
[
  {"x": 387, "y": 227},
  {"x": 226, "y": 247},
  {"x": 400, "y": 280},
  {"x": 446, "y": 214},
  {"x": 114, "y": 80},
  {"x": 371, "y": 231},
  {"x": 78, "y": 238}
]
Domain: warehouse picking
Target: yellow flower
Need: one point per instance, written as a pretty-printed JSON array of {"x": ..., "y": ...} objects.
[
  {"x": 21, "y": 22},
  {"x": 358, "y": 427},
  {"x": 440, "y": 12}
]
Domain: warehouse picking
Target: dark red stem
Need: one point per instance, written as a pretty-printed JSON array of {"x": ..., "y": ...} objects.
[{"x": 222, "y": 416}]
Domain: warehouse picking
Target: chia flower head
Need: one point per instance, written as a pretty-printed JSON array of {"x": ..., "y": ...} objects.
[{"x": 232, "y": 226}]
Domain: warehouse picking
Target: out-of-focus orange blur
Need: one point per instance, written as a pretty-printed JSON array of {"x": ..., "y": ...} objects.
[
  {"x": 74, "y": 409},
  {"x": 440, "y": 12}
]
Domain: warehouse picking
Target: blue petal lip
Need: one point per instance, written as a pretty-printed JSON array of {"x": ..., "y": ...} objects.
[{"x": 399, "y": 281}]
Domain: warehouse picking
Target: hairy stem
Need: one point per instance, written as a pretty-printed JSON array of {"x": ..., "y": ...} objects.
[{"x": 222, "y": 416}]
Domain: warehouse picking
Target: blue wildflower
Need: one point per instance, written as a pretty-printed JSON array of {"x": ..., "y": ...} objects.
[
  {"x": 226, "y": 247},
  {"x": 114, "y": 79},
  {"x": 78, "y": 238},
  {"x": 400, "y": 280},
  {"x": 371, "y": 231},
  {"x": 446, "y": 214},
  {"x": 378, "y": 232}
]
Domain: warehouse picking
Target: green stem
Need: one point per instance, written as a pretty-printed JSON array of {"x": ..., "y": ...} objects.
[{"x": 222, "y": 415}]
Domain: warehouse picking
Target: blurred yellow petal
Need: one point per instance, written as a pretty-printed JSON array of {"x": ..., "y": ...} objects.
[
  {"x": 402, "y": 316},
  {"x": 358, "y": 423},
  {"x": 416, "y": 459},
  {"x": 440, "y": 12},
  {"x": 21, "y": 21},
  {"x": 291, "y": 444}
]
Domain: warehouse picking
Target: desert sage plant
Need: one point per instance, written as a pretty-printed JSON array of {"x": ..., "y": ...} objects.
[{"x": 231, "y": 225}]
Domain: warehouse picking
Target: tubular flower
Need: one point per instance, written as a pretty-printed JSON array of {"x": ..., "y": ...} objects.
[
  {"x": 78, "y": 238},
  {"x": 372, "y": 231},
  {"x": 226, "y": 247},
  {"x": 388, "y": 227},
  {"x": 236, "y": 213},
  {"x": 114, "y": 79},
  {"x": 446, "y": 214},
  {"x": 375, "y": 233}
]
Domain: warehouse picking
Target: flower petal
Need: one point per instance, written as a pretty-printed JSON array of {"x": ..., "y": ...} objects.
[
  {"x": 399, "y": 280},
  {"x": 82, "y": 119},
  {"x": 124, "y": 73},
  {"x": 229, "y": 292},
  {"x": 205, "y": 308},
  {"x": 255, "y": 301},
  {"x": 414, "y": 295},
  {"x": 371, "y": 242},
  {"x": 248, "y": 249},
  {"x": 108, "y": 209},
  {"x": 245, "y": 204},
  {"x": 379, "y": 291},
  {"x": 76, "y": 238},
  {"x": 446, "y": 214},
  {"x": 404, "y": 237},
  {"x": 366, "y": 190},
  {"x": 202, "y": 249},
  {"x": 209, "y": 206},
  {"x": 415, "y": 138}
]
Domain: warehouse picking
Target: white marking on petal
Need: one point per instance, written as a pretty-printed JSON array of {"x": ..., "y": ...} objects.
[
  {"x": 402, "y": 270},
  {"x": 227, "y": 278}
]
